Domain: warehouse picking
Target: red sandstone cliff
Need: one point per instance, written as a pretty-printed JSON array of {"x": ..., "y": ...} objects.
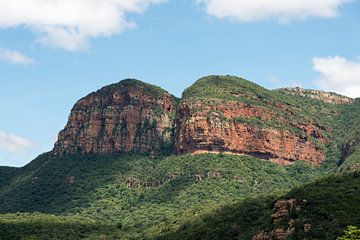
[
  {"x": 128, "y": 116},
  {"x": 214, "y": 128},
  {"x": 132, "y": 116}
]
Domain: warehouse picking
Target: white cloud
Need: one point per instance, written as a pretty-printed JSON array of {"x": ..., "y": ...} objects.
[
  {"x": 14, "y": 57},
  {"x": 283, "y": 11},
  {"x": 338, "y": 75},
  {"x": 69, "y": 24},
  {"x": 13, "y": 143}
]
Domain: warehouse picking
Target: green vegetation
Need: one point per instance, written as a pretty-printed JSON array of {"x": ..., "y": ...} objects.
[
  {"x": 327, "y": 205},
  {"x": 172, "y": 189},
  {"x": 37, "y": 226},
  {"x": 190, "y": 212},
  {"x": 6, "y": 173},
  {"x": 129, "y": 83},
  {"x": 226, "y": 88},
  {"x": 351, "y": 233}
]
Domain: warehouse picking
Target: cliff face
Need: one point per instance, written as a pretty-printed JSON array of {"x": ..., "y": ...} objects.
[
  {"x": 327, "y": 97},
  {"x": 216, "y": 115},
  {"x": 128, "y": 116},
  {"x": 224, "y": 127}
]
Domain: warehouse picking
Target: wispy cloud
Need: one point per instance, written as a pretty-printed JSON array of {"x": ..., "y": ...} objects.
[
  {"x": 15, "y": 57},
  {"x": 283, "y": 11},
  {"x": 278, "y": 83},
  {"x": 69, "y": 24},
  {"x": 14, "y": 144},
  {"x": 338, "y": 74}
]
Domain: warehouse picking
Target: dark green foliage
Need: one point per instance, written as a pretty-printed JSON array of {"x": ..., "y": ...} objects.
[
  {"x": 6, "y": 173},
  {"x": 169, "y": 193},
  {"x": 239, "y": 220},
  {"x": 37, "y": 226},
  {"x": 352, "y": 162},
  {"x": 347, "y": 131},
  {"x": 330, "y": 205}
]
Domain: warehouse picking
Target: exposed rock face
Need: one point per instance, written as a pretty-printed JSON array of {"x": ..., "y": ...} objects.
[
  {"x": 327, "y": 97},
  {"x": 276, "y": 234},
  {"x": 127, "y": 116},
  {"x": 132, "y": 116},
  {"x": 282, "y": 210},
  {"x": 215, "y": 128},
  {"x": 133, "y": 182},
  {"x": 349, "y": 148}
]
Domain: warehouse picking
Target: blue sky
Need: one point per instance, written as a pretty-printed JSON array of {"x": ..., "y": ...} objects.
[{"x": 50, "y": 56}]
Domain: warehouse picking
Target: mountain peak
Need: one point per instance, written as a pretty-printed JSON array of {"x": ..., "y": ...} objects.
[
  {"x": 223, "y": 88},
  {"x": 130, "y": 116}
]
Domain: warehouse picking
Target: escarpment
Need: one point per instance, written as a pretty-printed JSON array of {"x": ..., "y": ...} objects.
[
  {"x": 129, "y": 116},
  {"x": 217, "y": 114},
  {"x": 326, "y": 97},
  {"x": 238, "y": 128},
  {"x": 233, "y": 116}
]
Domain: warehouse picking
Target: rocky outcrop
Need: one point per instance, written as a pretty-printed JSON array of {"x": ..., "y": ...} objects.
[
  {"x": 132, "y": 116},
  {"x": 129, "y": 116},
  {"x": 133, "y": 182},
  {"x": 276, "y": 234},
  {"x": 349, "y": 148},
  {"x": 282, "y": 210},
  {"x": 223, "y": 127},
  {"x": 327, "y": 97}
]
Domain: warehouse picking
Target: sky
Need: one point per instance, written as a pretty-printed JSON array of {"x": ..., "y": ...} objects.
[{"x": 53, "y": 52}]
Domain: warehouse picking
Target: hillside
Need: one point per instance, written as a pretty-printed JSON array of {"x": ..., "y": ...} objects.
[
  {"x": 6, "y": 173},
  {"x": 134, "y": 162},
  {"x": 319, "y": 210},
  {"x": 185, "y": 207},
  {"x": 148, "y": 195}
]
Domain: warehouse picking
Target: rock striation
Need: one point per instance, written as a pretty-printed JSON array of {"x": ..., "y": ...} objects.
[
  {"x": 229, "y": 115},
  {"x": 281, "y": 212},
  {"x": 217, "y": 114},
  {"x": 327, "y": 97},
  {"x": 218, "y": 128},
  {"x": 129, "y": 116}
]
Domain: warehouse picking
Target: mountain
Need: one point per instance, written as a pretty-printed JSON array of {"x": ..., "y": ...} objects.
[
  {"x": 217, "y": 114},
  {"x": 123, "y": 117},
  {"x": 228, "y": 114},
  {"x": 135, "y": 162}
]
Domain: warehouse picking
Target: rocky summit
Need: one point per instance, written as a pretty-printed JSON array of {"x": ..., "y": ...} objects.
[
  {"x": 327, "y": 97},
  {"x": 123, "y": 117},
  {"x": 217, "y": 114}
]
